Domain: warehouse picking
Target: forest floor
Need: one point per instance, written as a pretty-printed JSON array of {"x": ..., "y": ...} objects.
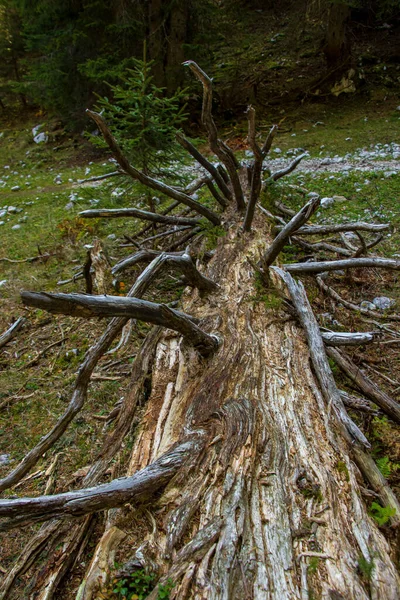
[{"x": 354, "y": 156}]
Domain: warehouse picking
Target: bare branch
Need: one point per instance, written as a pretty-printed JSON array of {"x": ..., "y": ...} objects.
[
  {"x": 297, "y": 221},
  {"x": 224, "y": 153},
  {"x": 349, "y": 263},
  {"x": 287, "y": 170},
  {"x": 206, "y": 164},
  {"x": 11, "y": 332},
  {"x": 324, "y": 246},
  {"x": 80, "y": 305},
  {"x": 115, "y": 213},
  {"x": 318, "y": 357},
  {"x": 366, "y": 385},
  {"x": 357, "y": 403},
  {"x": 101, "y": 177},
  {"x": 357, "y": 226},
  {"x": 141, "y": 486},
  {"x": 145, "y": 179},
  {"x": 341, "y": 338}
]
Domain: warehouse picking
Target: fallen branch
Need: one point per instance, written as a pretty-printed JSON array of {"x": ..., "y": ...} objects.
[
  {"x": 349, "y": 263},
  {"x": 339, "y": 338},
  {"x": 318, "y": 357},
  {"x": 357, "y": 403},
  {"x": 101, "y": 177},
  {"x": 286, "y": 170},
  {"x": 11, "y": 332},
  {"x": 144, "y": 215},
  {"x": 368, "y": 387},
  {"x": 357, "y": 226},
  {"x": 281, "y": 239},
  {"x": 145, "y": 179},
  {"x": 324, "y": 246},
  {"x": 141, "y": 486},
  {"x": 364, "y": 311}
]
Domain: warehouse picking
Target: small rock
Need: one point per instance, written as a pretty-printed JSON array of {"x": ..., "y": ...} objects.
[
  {"x": 312, "y": 195},
  {"x": 12, "y": 209},
  {"x": 277, "y": 151},
  {"x": 2, "y": 222},
  {"x": 40, "y": 138},
  {"x": 4, "y": 460},
  {"x": 367, "y": 305},
  {"x": 3, "y": 282},
  {"x": 15, "y": 188},
  {"x": 15, "y": 227},
  {"x": 112, "y": 236},
  {"x": 3, "y": 213},
  {"x": 383, "y": 302},
  {"x": 339, "y": 199},
  {"x": 69, "y": 206},
  {"x": 327, "y": 202}
]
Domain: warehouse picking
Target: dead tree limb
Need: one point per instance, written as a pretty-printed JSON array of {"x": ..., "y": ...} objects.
[
  {"x": 86, "y": 306},
  {"x": 281, "y": 239},
  {"x": 366, "y": 385},
  {"x": 145, "y": 179},
  {"x": 319, "y": 359},
  {"x": 166, "y": 233},
  {"x": 289, "y": 169},
  {"x": 224, "y": 153},
  {"x": 356, "y": 226},
  {"x": 323, "y": 246},
  {"x": 144, "y": 215},
  {"x": 141, "y": 486},
  {"x": 256, "y": 168},
  {"x": 357, "y": 403},
  {"x": 349, "y": 305},
  {"x": 101, "y": 177},
  {"x": 11, "y": 332},
  {"x": 349, "y": 263},
  {"x": 206, "y": 164},
  {"x": 340, "y": 338}
]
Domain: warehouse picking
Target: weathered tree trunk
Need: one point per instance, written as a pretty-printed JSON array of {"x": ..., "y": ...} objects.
[{"x": 267, "y": 495}]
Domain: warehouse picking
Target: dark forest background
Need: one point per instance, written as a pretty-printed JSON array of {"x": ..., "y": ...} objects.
[{"x": 58, "y": 55}]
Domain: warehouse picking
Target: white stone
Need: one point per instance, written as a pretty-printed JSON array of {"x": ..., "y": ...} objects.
[
  {"x": 15, "y": 227},
  {"x": 367, "y": 305},
  {"x": 40, "y": 138},
  {"x": 15, "y": 188},
  {"x": 327, "y": 202},
  {"x": 383, "y": 302}
]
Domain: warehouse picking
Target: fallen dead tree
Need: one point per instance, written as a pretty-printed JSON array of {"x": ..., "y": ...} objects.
[{"x": 234, "y": 473}]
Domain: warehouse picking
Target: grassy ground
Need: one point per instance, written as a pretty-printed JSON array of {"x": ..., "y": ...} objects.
[{"x": 37, "y": 376}]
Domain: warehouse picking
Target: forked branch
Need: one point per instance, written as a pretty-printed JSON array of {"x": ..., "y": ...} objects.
[
  {"x": 221, "y": 150},
  {"x": 256, "y": 168}
]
